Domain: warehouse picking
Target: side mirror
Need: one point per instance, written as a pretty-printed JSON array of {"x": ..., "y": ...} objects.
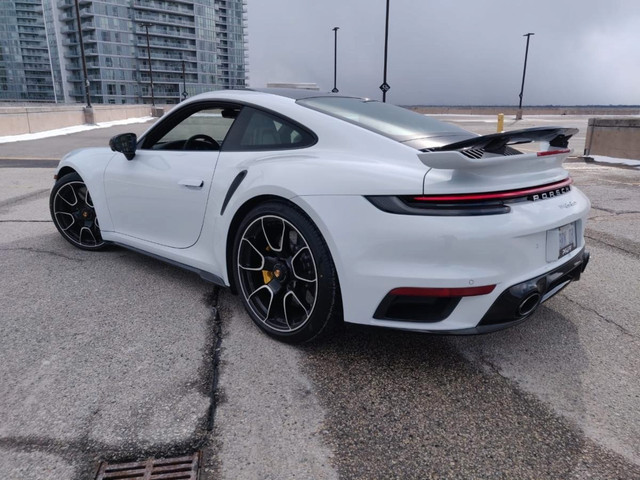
[{"x": 125, "y": 143}]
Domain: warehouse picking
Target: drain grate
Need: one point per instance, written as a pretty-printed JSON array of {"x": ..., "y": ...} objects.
[{"x": 179, "y": 468}]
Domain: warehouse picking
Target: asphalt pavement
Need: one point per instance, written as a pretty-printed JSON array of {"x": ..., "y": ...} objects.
[
  {"x": 102, "y": 356},
  {"x": 113, "y": 356}
]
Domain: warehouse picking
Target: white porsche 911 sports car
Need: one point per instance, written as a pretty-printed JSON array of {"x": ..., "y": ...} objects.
[{"x": 318, "y": 208}]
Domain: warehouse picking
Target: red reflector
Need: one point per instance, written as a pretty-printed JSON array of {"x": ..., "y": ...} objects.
[
  {"x": 464, "y": 197},
  {"x": 554, "y": 152},
  {"x": 442, "y": 292}
]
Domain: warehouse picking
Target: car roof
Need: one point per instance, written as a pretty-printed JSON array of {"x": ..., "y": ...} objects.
[
  {"x": 282, "y": 93},
  {"x": 299, "y": 93},
  {"x": 285, "y": 101}
]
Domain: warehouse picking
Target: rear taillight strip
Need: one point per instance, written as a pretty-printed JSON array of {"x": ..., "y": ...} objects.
[
  {"x": 470, "y": 197},
  {"x": 405, "y": 206}
]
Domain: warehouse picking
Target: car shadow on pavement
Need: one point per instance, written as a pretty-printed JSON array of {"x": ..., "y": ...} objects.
[{"x": 407, "y": 405}]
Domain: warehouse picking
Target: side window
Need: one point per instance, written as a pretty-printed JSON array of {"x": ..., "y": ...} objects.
[
  {"x": 258, "y": 130},
  {"x": 204, "y": 129}
]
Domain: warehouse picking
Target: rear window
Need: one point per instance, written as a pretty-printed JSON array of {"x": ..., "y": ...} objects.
[
  {"x": 259, "y": 130},
  {"x": 268, "y": 131},
  {"x": 396, "y": 122}
]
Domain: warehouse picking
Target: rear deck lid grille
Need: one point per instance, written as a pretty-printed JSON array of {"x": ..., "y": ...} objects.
[{"x": 473, "y": 152}]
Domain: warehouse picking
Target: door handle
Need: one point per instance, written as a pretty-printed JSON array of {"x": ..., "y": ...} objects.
[{"x": 191, "y": 182}]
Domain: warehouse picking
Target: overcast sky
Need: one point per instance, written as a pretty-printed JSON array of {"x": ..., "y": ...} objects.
[{"x": 453, "y": 52}]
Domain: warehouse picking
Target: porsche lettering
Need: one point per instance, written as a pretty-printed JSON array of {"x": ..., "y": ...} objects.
[{"x": 551, "y": 194}]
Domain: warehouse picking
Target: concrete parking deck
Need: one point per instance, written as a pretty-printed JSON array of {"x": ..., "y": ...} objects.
[{"x": 110, "y": 356}]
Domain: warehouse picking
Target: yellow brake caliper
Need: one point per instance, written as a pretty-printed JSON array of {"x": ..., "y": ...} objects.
[{"x": 267, "y": 276}]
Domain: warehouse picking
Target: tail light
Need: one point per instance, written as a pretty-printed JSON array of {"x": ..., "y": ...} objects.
[{"x": 468, "y": 204}]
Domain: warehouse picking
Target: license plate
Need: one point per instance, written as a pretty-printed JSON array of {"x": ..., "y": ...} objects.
[{"x": 566, "y": 239}]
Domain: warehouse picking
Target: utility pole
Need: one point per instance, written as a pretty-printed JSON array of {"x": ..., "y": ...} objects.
[
  {"x": 524, "y": 73},
  {"x": 335, "y": 59},
  {"x": 84, "y": 60},
  {"x": 184, "y": 82},
  {"x": 385, "y": 86},
  {"x": 146, "y": 26}
]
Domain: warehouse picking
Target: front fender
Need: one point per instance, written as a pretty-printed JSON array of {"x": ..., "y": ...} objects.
[{"x": 90, "y": 164}]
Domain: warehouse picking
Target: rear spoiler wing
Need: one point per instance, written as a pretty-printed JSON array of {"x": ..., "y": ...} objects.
[
  {"x": 497, "y": 142},
  {"x": 461, "y": 155}
]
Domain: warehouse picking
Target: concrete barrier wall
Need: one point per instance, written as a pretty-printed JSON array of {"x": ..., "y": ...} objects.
[
  {"x": 511, "y": 110},
  {"x": 110, "y": 113},
  {"x": 613, "y": 137},
  {"x": 20, "y": 120}
]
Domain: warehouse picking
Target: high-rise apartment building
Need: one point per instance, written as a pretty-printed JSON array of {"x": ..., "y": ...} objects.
[
  {"x": 25, "y": 61},
  {"x": 194, "y": 46}
]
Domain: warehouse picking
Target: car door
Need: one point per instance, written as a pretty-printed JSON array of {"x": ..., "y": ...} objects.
[{"x": 161, "y": 194}]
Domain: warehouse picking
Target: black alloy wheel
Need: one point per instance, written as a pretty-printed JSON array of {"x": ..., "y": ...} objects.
[
  {"x": 73, "y": 213},
  {"x": 285, "y": 274}
]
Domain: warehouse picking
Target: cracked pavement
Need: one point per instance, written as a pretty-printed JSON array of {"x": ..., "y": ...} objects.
[
  {"x": 101, "y": 357},
  {"x": 581, "y": 353},
  {"x": 110, "y": 356}
]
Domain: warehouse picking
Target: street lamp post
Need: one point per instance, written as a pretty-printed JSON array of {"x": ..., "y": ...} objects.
[
  {"x": 82, "y": 56},
  {"x": 335, "y": 59},
  {"x": 184, "y": 82},
  {"x": 146, "y": 26},
  {"x": 385, "y": 86},
  {"x": 524, "y": 72}
]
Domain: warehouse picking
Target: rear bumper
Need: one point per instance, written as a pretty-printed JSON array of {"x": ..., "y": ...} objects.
[
  {"x": 376, "y": 252},
  {"x": 520, "y": 301}
]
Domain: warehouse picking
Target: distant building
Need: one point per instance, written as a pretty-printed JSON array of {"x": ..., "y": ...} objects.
[
  {"x": 25, "y": 61},
  {"x": 40, "y": 50},
  {"x": 301, "y": 86}
]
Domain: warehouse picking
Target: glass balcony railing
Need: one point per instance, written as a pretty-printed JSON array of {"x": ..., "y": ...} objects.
[
  {"x": 164, "y": 7},
  {"x": 162, "y": 20}
]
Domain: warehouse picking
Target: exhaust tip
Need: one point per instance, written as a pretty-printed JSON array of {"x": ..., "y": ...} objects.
[{"x": 529, "y": 304}]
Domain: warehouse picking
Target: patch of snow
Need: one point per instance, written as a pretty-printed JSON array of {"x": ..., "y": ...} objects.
[
  {"x": 68, "y": 130},
  {"x": 623, "y": 161}
]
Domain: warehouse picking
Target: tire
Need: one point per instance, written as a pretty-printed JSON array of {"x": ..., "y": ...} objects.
[
  {"x": 73, "y": 213},
  {"x": 285, "y": 275}
]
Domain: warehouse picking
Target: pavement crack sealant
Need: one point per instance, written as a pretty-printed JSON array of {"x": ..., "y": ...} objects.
[
  {"x": 45, "y": 252},
  {"x": 626, "y": 246},
  {"x": 26, "y": 197},
  {"x": 202, "y": 439},
  {"x": 215, "y": 354},
  {"x": 600, "y": 316}
]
